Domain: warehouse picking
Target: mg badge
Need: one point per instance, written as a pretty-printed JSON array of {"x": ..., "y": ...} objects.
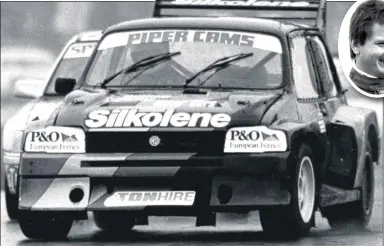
[{"x": 154, "y": 141}]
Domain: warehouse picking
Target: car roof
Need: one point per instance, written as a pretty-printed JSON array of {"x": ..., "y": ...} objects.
[
  {"x": 87, "y": 36},
  {"x": 235, "y": 23}
]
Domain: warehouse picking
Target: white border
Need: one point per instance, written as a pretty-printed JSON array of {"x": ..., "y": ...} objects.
[{"x": 78, "y": 1}]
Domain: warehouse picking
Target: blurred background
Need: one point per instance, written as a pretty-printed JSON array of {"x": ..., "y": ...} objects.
[
  {"x": 51, "y": 24},
  {"x": 33, "y": 33}
]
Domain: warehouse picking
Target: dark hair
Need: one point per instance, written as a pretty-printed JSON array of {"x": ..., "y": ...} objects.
[{"x": 362, "y": 20}]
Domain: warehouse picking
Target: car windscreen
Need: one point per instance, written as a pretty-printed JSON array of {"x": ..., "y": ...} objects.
[
  {"x": 198, "y": 49},
  {"x": 71, "y": 64}
]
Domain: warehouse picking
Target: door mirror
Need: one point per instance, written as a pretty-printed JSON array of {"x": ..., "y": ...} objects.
[
  {"x": 63, "y": 86},
  {"x": 29, "y": 88}
]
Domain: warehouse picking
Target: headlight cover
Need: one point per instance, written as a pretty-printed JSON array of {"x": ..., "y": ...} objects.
[
  {"x": 254, "y": 139},
  {"x": 55, "y": 139}
]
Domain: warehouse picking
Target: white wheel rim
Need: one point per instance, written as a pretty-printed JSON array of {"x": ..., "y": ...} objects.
[{"x": 306, "y": 189}]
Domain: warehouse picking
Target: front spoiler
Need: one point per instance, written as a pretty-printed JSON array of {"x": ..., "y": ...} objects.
[{"x": 48, "y": 183}]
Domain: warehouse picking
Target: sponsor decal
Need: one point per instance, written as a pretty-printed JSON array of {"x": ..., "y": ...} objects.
[
  {"x": 243, "y": 3},
  {"x": 80, "y": 50},
  {"x": 322, "y": 126},
  {"x": 255, "y": 40},
  {"x": 154, "y": 141},
  {"x": 150, "y": 198},
  {"x": 56, "y": 140},
  {"x": 132, "y": 118},
  {"x": 254, "y": 140}
]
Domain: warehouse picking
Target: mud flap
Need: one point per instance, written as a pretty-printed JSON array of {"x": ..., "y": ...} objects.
[{"x": 341, "y": 170}]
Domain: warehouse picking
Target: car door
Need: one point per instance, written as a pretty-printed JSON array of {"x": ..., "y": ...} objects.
[
  {"x": 310, "y": 98},
  {"x": 341, "y": 166}
]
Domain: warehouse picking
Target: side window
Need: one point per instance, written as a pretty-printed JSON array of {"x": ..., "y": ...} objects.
[
  {"x": 303, "y": 73},
  {"x": 321, "y": 61}
]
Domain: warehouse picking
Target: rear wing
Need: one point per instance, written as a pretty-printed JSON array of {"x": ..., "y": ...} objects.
[{"x": 310, "y": 12}]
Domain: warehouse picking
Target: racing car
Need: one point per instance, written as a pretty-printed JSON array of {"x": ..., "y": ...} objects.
[
  {"x": 69, "y": 64},
  {"x": 190, "y": 116}
]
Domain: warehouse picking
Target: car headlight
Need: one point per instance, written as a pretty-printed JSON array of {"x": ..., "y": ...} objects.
[
  {"x": 254, "y": 139},
  {"x": 55, "y": 139}
]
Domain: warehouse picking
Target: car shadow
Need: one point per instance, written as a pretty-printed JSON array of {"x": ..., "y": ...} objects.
[
  {"x": 191, "y": 238},
  {"x": 162, "y": 237},
  {"x": 182, "y": 236}
]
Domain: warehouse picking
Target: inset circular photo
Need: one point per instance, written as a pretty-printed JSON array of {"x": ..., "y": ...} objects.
[{"x": 361, "y": 47}]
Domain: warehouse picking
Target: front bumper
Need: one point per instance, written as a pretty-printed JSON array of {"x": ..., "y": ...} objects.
[{"x": 51, "y": 181}]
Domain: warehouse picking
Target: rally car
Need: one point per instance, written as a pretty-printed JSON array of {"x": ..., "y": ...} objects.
[
  {"x": 191, "y": 116},
  {"x": 69, "y": 64}
]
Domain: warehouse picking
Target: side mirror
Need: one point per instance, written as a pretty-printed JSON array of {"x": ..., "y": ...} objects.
[
  {"x": 29, "y": 88},
  {"x": 63, "y": 86}
]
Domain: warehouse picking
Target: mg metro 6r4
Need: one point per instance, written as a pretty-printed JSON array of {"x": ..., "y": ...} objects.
[{"x": 193, "y": 116}]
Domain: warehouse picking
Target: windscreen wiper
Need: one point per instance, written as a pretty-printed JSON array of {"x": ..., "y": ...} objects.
[
  {"x": 139, "y": 64},
  {"x": 220, "y": 63}
]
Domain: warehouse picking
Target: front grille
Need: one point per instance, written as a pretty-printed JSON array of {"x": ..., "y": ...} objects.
[{"x": 207, "y": 142}]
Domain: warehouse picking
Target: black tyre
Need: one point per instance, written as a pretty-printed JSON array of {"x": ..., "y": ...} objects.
[
  {"x": 45, "y": 225},
  {"x": 358, "y": 213},
  {"x": 114, "y": 220},
  {"x": 296, "y": 219},
  {"x": 11, "y": 203}
]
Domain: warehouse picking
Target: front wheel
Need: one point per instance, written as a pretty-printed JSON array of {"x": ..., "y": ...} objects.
[
  {"x": 11, "y": 203},
  {"x": 45, "y": 225},
  {"x": 295, "y": 219}
]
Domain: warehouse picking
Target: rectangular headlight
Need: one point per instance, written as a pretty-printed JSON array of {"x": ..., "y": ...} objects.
[
  {"x": 254, "y": 139},
  {"x": 54, "y": 139}
]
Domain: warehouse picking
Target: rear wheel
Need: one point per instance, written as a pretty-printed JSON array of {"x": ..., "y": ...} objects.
[
  {"x": 114, "y": 220},
  {"x": 357, "y": 213},
  {"x": 295, "y": 219},
  {"x": 45, "y": 225}
]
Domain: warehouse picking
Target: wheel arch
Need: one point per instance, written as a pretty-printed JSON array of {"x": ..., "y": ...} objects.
[
  {"x": 319, "y": 155},
  {"x": 312, "y": 140},
  {"x": 365, "y": 126}
]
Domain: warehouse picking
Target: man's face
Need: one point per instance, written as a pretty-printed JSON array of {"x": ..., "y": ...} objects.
[{"x": 370, "y": 56}]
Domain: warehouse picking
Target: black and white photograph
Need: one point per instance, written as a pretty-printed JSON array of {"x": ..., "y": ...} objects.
[
  {"x": 365, "y": 62},
  {"x": 196, "y": 122}
]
